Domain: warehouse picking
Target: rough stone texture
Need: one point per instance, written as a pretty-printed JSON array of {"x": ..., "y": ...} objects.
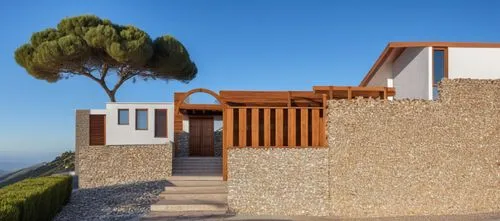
[
  {"x": 182, "y": 144},
  {"x": 278, "y": 181},
  {"x": 417, "y": 157},
  {"x": 218, "y": 143},
  {"x": 81, "y": 134},
  {"x": 111, "y": 165}
]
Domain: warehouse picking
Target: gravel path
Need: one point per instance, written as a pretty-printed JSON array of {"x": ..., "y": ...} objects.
[{"x": 121, "y": 202}]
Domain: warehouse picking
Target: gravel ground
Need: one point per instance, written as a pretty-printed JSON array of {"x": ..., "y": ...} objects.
[{"x": 120, "y": 202}]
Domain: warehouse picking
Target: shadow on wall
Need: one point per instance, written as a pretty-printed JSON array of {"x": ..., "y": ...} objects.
[{"x": 404, "y": 61}]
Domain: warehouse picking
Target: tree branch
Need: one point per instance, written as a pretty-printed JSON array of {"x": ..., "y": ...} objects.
[
  {"x": 110, "y": 93},
  {"x": 122, "y": 80},
  {"x": 88, "y": 74},
  {"x": 104, "y": 71}
]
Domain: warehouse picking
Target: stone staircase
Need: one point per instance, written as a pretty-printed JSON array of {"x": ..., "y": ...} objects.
[
  {"x": 197, "y": 166},
  {"x": 195, "y": 189}
]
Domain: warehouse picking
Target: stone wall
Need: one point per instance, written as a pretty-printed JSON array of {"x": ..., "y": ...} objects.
[
  {"x": 385, "y": 158},
  {"x": 417, "y": 157},
  {"x": 81, "y": 134},
  {"x": 278, "y": 181},
  {"x": 218, "y": 143},
  {"x": 110, "y": 165},
  {"x": 182, "y": 144}
]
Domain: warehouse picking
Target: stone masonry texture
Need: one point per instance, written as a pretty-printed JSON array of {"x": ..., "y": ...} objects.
[
  {"x": 81, "y": 134},
  {"x": 182, "y": 144},
  {"x": 385, "y": 158},
  {"x": 414, "y": 157},
  {"x": 218, "y": 143},
  {"x": 278, "y": 181},
  {"x": 98, "y": 166},
  {"x": 112, "y": 165}
]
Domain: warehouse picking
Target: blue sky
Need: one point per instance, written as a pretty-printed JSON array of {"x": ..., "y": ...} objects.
[{"x": 254, "y": 45}]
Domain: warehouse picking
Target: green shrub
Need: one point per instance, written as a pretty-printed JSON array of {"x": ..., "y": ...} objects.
[
  {"x": 35, "y": 199},
  {"x": 9, "y": 212}
]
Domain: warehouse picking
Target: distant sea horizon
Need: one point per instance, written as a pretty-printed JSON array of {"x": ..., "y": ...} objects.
[{"x": 12, "y": 161}]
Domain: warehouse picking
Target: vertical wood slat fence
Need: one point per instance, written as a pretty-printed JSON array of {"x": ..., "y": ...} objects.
[
  {"x": 274, "y": 127},
  {"x": 281, "y": 127}
]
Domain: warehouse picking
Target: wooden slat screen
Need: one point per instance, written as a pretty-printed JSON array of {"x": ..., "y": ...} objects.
[
  {"x": 97, "y": 130},
  {"x": 274, "y": 127}
]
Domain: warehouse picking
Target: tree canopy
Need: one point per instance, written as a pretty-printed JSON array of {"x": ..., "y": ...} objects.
[{"x": 96, "y": 48}]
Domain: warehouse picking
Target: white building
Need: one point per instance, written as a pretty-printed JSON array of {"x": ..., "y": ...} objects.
[
  {"x": 137, "y": 123},
  {"x": 415, "y": 68}
]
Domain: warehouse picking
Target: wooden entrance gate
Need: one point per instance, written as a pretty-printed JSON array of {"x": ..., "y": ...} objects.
[{"x": 201, "y": 136}]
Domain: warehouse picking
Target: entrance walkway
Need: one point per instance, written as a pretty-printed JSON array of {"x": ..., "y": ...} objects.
[
  {"x": 196, "y": 188},
  {"x": 191, "y": 195}
]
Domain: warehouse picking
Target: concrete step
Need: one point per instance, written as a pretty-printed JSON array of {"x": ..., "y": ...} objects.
[
  {"x": 218, "y": 160},
  {"x": 197, "y": 163},
  {"x": 196, "y": 158},
  {"x": 192, "y": 215},
  {"x": 196, "y": 166},
  {"x": 198, "y": 174},
  {"x": 166, "y": 205},
  {"x": 197, "y": 183},
  {"x": 197, "y": 170},
  {"x": 195, "y": 189},
  {"x": 194, "y": 196},
  {"x": 192, "y": 178},
  {"x": 199, "y": 160}
]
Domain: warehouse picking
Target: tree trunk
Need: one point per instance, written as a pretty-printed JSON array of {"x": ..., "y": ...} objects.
[{"x": 111, "y": 96}]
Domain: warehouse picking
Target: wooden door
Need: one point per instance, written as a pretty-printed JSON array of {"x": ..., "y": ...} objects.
[
  {"x": 97, "y": 126},
  {"x": 201, "y": 136}
]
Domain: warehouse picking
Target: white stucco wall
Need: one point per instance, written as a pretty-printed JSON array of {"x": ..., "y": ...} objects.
[
  {"x": 476, "y": 63},
  {"x": 412, "y": 74},
  {"x": 127, "y": 134},
  {"x": 381, "y": 76}
]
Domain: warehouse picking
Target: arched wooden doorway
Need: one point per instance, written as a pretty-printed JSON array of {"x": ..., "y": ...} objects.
[
  {"x": 180, "y": 103},
  {"x": 195, "y": 126}
]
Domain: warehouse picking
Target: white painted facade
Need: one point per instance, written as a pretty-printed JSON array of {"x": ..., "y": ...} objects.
[
  {"x": 476, "y": 63},
  {"x": 411, "y": 74},
  {"x": 127, "y": 134}
]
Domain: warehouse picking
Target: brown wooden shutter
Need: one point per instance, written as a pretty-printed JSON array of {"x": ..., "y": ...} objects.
[
  {"x": 161, "y": 123},
  {"x": 97, "y": 130}
]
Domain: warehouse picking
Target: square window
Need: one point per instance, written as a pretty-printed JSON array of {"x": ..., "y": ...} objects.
[
  {"x": 122, "y": 116},
  {"x": 141, "y": 119}
]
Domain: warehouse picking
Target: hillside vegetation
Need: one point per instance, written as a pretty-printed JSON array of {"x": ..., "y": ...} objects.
[{"x": 61, "y": 164}]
